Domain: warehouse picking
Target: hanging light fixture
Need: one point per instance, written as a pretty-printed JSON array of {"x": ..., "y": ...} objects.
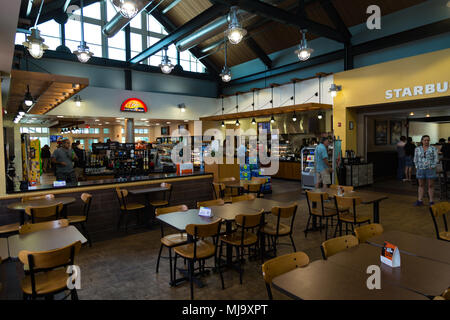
[
  {"x": 334, "y": 89},
  {"x": 303, "y": 52},
  {"x": 223, "y": 123},
  {"x": 253, "y": 105},
  {"x": 237, "y": 109},
  {"x": 226, "y": 72},
  {"x": 127, "y": 8},
  {"x": 235, "y": 32},
  {"x": 83, "y": 54},
  {"x": 294, "y": 116},
  {"x": 320, "y": 116},
  {"x": 272, "y": 119},
  {"x": 166, "y": 66},
  {"x": 35, "y": 43},
  {"x": 28, "y": 99},
  {"x": 78, "y": 100},
  {"x": 21, "y": 111}
]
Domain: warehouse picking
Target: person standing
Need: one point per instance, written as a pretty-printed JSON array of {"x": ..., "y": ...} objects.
[
  {"x": 409, "y": 156},
  {"x": 63, "y": 158},
  {"x": 322, "y": 166},
  {"x": 80, "y": 163},
  {"x": 401, "y": 157},
  {"x": 426, "y": 160},
  {"x": 45, "y": 156}
]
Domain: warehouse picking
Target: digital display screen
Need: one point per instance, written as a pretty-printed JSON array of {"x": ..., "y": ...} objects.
[{"x": 204, "y": 212}]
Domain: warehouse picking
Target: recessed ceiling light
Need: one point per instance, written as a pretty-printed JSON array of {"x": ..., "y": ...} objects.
[
  {"x": 117, "y": 120},
  {"x": 411, "y": 114},
  {"x": 33, "y": 118},
  {"x": 147, "y": 121},
  {"x": 428, "y": 115},
  {"x": 168, "y": 122},
  {"x": 120, "y": 118},
  {"x": 143, "y": 119},
  {"x": 186, "y": 120},
  {"x": 97, "y": 120},
  {"x": 60, "y": 116},
  {"x": 107, "y": 122},
  {"x": 157, "y": 124},
  {"x": 99, "y": 124}
]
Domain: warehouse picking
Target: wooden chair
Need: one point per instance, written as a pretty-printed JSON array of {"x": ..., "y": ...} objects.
[
  {"x": 33, "y": 227},
  {"x": 219, "y": 190},
  {"x": 127, "y": 208},
  {"x": 164, "y": 202},
  {"x": 210, "y": 203},
  {"x": 200, "y": 249},
  {"x": 246, "y": 236},
  {"x": 317, "y": 209},
  {"x": 31, "y": 198},
  {"x": 277, "y": 230},
  {"x": 254, "y": 188},
  {"x": 172, "y": 240},
  {"x": 229, "y": 192},
  {"x": 350, "y": 217},
  {"x": 368, "y": 231},
  {"x": 331, "y": 204},
  {"x": 47, "y": 271},
  {"x": 280, "y": 265},
  {"x": 335, "y": 245},
  {"x": 244, "y": 197},
  {"x": 437, "y": 210},
  {"x": 11, "y": 228},
  {"x": 43, "y": 213},
  {"x": 82, "y": 220}
]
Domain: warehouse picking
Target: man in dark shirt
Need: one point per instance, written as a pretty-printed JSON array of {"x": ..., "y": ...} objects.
[
  {"x": 446, "y": 155},
  {"x": 409, "y": 156},
  {"x": 62, "y": 158}
]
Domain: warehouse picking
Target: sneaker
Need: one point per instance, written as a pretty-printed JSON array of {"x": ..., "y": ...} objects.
[
  {"x": 418, "y": 203},
  {"x": 431, "y": 203}
]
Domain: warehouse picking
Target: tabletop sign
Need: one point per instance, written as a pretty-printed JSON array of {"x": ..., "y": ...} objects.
[
  {"x": 133, "y": 105},
  {"x": 390, "y": 255},
  {"x": 59, "y": 183},
  {"x": 205, "y": 212}
]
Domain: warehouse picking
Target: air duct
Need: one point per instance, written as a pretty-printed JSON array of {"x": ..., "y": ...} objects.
[{"x": 118, "y": 22}]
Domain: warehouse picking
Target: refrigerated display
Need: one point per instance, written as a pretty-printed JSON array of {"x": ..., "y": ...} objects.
[{"x": 308, "y": 171}]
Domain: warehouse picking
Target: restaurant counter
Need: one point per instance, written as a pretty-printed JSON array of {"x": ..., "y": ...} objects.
[
  {"x": 187, "y": 189},
  {"x": 289, "y": 169}
]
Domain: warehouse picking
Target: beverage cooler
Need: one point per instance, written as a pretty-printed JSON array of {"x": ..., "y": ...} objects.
[{"x": 308, "y": 172}]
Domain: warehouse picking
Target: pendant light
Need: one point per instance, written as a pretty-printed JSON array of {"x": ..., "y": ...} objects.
[
  {"x": 223, "y": 123},
  {"x": 237, "y": 109},
  {"x": 28, "y": 99},
  {"x": 272, "y": 119},
  {"x": 253, "y": 105},
  {"x": 83, "y": 54},
  {"x": 21, "y": 111},
  {"x": 35, "y": 43},
  {"x": 235, "y": 32},
  {"x": 294, "y": 116},
  {"x": 78, "y": 100},
  {"x": 303, "y": 52},
  {"x": 127, "y": 8},
  {"x": 226, "y": 72},
  {"x": 166, "y": 65}
]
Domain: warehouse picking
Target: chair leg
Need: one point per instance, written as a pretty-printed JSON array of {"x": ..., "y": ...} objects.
[
  {"x": 74, "y": 294},
  {"x": 307, "y": 226},
  {"x": 275, "y": 239},
  {"x": 269, "y": 291},
  {"x": 292, "y": 241},
  {"x": 219, "y": 266},
  {"x": 159, "y": 257},
  {"x": 326, "y": 228},
  {"x": 170, "y": 264},
  {"x": 174, "y": 270},
  {"x": 191, "y": 271},
  {"x": 85, "y": 231},
  {"x": 335, "y": 230},
  {"x": 119, "y": 221},
  {"x": 240, "y": 250}
]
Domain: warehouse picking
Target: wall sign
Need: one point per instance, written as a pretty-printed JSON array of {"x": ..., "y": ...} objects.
[
  {"x": 133, "y": 105},
  {"x": 431, "y": 88}
]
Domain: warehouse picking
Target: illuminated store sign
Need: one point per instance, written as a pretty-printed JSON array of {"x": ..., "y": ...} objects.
[
  {"x": 431, "y": 88},
  {"x": 133, "y": 105}
]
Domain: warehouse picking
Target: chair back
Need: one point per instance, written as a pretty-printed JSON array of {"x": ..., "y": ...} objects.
[
  {"x": 165, "y": 210},
  {"x": 33, "y": 227},
  {"x": 282, "y": 264},
  {"x": 227, "y": 179},
  {"x": 210, "y": 203},
  {"x": 368, "y": 231},
  {"x": 87, "y": 199},
  {"x": 204, "y": 230},
  {"x": 345, "y": 188},
  {"x": 244, "y": 197},
  {"x": 285, "y": 213},
  {"x": 437, "y": 210},
  {"x": 347, "y": 202},
  {"x": 248, "y": 221},
  {"x": 252, "y": 187},
  {"x": 121, "y": 197},
  {"x": 31, "y": 198},
  {"x": 42, "y": 212},
  {"x": 335, "y": 245},
  {"x": 316, "y": 197},
  {"x": 219, "y": 190},
  {"x": 169, "y": 187}
]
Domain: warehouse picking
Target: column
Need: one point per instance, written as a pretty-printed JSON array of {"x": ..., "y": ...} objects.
[{"x": 129, "y": 130}]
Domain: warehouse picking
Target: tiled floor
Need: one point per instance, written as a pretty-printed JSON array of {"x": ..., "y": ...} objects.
[{"x": 124, "y": 268}]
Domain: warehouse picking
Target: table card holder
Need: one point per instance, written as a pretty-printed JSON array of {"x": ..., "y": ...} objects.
[
  {"x": 59, "y": 183},
  {"x": 390, "y": 255},
  {"x": 205, "y": 212}
]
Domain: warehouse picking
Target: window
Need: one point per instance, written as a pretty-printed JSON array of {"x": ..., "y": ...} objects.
[
  {"x": 105, "y": 130},
  {"x": 137, "y": 139},
  {"x": 105, "y": 139},
  {"x": 122, "y": 130},
  {"x": 50, "y": 32},
  {"x": 86, "y": 131},
  {"x": 116, "y": 46},
  {"x": 123, "y": 139}
]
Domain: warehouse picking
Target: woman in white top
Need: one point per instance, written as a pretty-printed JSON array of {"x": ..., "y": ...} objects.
[{"x": 426, "y": 160}]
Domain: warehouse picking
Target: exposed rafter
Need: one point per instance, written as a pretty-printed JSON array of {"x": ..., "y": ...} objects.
[
  {"x": 205, "y": 17},
  {"x": 334, "y": 16},
  {"x": 274, "y": 13},
  {"x": 259, "y": 52},
  {"x": 57, "y": 8}
]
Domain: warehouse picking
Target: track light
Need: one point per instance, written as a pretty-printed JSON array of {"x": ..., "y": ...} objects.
[
  {"x": 235, "y": 32},
  {"x": 182, "y": 107},
  {"x": 223, "y": 124},
  {"x": 303, "y": 52},
  {"x": 78, "y": 100},
  {"x": 334, "y": 89}
]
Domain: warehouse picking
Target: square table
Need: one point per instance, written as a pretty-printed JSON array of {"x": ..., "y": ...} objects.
[
  {"x": 322, "y": 280},
  {"x": 4, "y": 252},
  {"x": 425, "y": 276},
  {"x": 413, "y": 244},
  {"x": 44, "y": 240}
]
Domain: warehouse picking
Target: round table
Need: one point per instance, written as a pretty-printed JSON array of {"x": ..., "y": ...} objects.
[{"x": 20, "y": 206}]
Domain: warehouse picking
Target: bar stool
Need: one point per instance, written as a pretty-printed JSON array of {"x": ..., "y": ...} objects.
[
  {"x": 127, "y": 208},
  {"x": 164, "y": 202},
  {"x": 82, "y": 220}
]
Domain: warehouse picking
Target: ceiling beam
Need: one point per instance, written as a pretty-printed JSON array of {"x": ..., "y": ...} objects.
[
  {"x": 254, "y": 46},
  {"x": 282, "y": 16},
  {"x": 202, "y": 19},
  {"x": 57, "y": 8},
  {"x": 171, "y": 27},
  {"x": 335, "y": 17},
  {"x": 418, "y": 33}
]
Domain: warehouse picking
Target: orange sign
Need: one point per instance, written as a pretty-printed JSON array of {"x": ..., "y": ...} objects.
[{"x": 133, "y": 105}]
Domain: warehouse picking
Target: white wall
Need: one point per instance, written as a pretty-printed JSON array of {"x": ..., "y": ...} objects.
[{"x": 418, "y": 129}]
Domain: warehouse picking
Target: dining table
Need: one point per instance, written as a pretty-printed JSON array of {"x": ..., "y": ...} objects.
[
  {"x": 44, "y": 240},
  {"x": 414, "y": 244},
  {"x": 20, "y": 206},
  {"x": 428, "y": 277},
  {"x": 324, "y": 280},
  {"x": 367, "y": 197},
  {"x": 146, "y": 192}
]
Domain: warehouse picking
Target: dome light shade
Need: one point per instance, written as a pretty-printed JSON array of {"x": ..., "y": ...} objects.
[
  {"x": 253, "y": 121},
  {"x": 223, "y": 124},
  {"x": 28, "y": 98},
  {"x": 294, "y": 117},
  {"x": 235, "y": 32},
  {"x": 78, "y": 101},
  {"x": 83, "y": 54},
  {"x": 272, "y": 119},
  {"x": 237, "y": 123},
  {"x": 225, "y": 74},
  {"x": 127, "y": 8},
  {"x": 35, "y": 44},
  {"x": 303, "y": 52},
  {"x": 166, "y": 66}
]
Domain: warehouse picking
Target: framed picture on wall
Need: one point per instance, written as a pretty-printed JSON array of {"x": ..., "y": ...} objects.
[
  {"x": 183, "y": 126},
  {"x": 165, "y": 130},
  {"x": 396, "y": 130},
  {"x": 381, "y": 132}
]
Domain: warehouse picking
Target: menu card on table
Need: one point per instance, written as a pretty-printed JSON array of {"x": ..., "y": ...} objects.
[{"x": 390, "y": 255}]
